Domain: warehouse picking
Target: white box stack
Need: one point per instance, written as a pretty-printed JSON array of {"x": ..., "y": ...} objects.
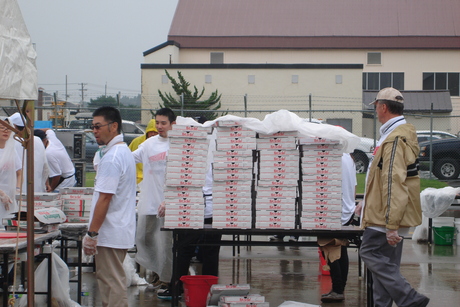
[
  {"x": 185, "y": 176},
  {"x": 41, "y": 201},
  {"x": 233, "y": 174},
  {"x": 278, "y": 180},
  {"x": 77, "y": 203},
  {"x": 321, "y": 165}
]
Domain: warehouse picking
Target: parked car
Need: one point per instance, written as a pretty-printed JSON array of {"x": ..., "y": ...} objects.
[
  {"x": 362, "y": 154},
  {"x": 426, "y": 135},
  {"x": 445, "y": 157}
]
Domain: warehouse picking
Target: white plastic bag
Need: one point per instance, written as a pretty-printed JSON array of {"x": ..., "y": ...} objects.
[
  {"x": 60, "y": 295},
  {"x": 132, "y": 278},
  {"x": 296, "y": 304}
]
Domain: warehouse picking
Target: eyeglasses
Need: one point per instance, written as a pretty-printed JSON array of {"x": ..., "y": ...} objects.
[
  {"x": 3, "y": 128},
  {"x": 97, "y": 127}
]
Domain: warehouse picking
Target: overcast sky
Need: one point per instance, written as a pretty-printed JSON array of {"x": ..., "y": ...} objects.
[{"x": 96, "y": 42}]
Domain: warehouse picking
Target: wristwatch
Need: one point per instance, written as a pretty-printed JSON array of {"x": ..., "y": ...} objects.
[{"x": 92, "y": 234}]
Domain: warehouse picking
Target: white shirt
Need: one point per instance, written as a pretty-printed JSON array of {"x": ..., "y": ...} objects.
[
  {"x": 59, "y": 161},
  {"x": 9, "y": 165},
  {"x": 153, "y": 153},
  {"x": 348, "y": 187},
  {"x": 116, "y": 174},
  {"x": 40, "y": 166}
]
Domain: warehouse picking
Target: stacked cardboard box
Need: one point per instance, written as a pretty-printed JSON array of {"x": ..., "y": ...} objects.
[
  {"x": 77, "y": 203},
  {"x": 278, "y": 180},
  {"x": 185, "y": 176},
  {"x": 233, "y": 176},
  {"x": 321, "y": 165},
  {"x": 41, "y": 201}
]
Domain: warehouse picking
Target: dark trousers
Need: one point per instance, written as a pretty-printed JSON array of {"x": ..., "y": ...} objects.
[
  {"x": 186, "y": 250},
  {"x": 339, "y": 271}
]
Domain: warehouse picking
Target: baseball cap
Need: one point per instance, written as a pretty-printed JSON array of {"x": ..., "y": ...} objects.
[
  {"x": 390, "y": 94},
  {"x": 16, "y": 119},
  {"x": 40, "y": 133}
]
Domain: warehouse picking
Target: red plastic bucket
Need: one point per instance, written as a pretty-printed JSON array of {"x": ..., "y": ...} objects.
[{"x": 196, "y": 289}]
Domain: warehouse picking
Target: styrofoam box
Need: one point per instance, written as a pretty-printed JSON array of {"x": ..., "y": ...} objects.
[
  {"x": 77, "y": 219},
  {"x": 176, "y": 194},
  {"x": 184, "y": 200},
  {"x": 279, "y": 176},
  {"x": 278, "y": 182},
  {"x": 231, "y": 218},
  {"x": 264, "y": 164},
  {"x": 266, "y": 304},
  {"x": 238, "y": 225},
  {"x": 275, "y": 213},
  {"x": 192, "y": 225},
  {"x": 81, "y": 206},
  {"x": 322, "y": 183},
  {"x": 231, "y": 213},
  {"x": 175, "y": 133},
  {"x": 185, "y": 152},
  {"x": 186, "y": 176},
  {"x": 277, "y": 140},
  {"x": 231, "y": 207},
  {"x": 276, "y": 194},
  {"x": 227, "y": 177},
  {"x": 275, "y": 218},
  {"x": 176, "y": 141},
  {"x": 334, "y": 176},
  {"x": 76, "y": 190},
  {"x": 192, "y": 128},
  {"x": 185, "y": 182},
  {"x": 77, "y": 214},
  {"x": 316, "y": 140},
  {"x": 232, "y": 153},
  {"x": 335, "y": 226},
  {"x": 288, "y": 207},
  {"x": 276, "y": 146},
  {"x": 232, "y": 194},
  {"x": 40, "y": 197},
  {"x": 230, "y": 146},
  {"x": 322, "y": 152},
  {"x": 189, "y": 164},
  {"x": 193, "y": 146},
  {"x": 321, "y": 202},
  {"x": 66, "y": 197},
  {"x": 236, "y": 159},
  {"x": 325, "y": 214},
  {"x": 279, "y": 134},
  {"x": 186, "y": 158},
  {"x": 323, "y": 146},
  {"x": 307, "y": 170},
  {"x": 322, "y": 208},
  {"x": 275, "y": 225},
  {"x": 186, "y": 170},
  {"x": 231, "y": 188},
  {"x": 232, "y": 164},
  {"x": 175, "y": 206},
  {"x": 318, "y": 159},
  {"x": 183, "y": 218},
  {"x": 229, "y": 201},
  {"x": 323, "y": 189},
  {"x": 251, "y": 298},
  {"x": 221, "y": 133}
]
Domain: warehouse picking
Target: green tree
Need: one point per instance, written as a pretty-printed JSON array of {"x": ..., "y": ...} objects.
[
  {"x": 192, "y": 103},
  {"x": 128, "y": 111},
  {"x": 103, "y": 101}
]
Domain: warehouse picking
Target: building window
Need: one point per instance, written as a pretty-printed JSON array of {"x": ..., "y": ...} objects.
[
  {"x": 217, "y": 58},
  {"x": 208, "y": 79},
  {"x": 374, "y": 58},
  {"x": 442, "y": 81},
  {"x": 164, "y": 79},
  {"x": 338, "y": 79},
  {"x": 295, "y": 79},
  {"x": 379, "y": 80},
  {"x": 251, "y": 79}
]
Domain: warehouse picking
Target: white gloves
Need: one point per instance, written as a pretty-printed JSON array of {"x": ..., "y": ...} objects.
[
  {"x": 5, "y": 200},
  {"x": 90, "y": 245}
]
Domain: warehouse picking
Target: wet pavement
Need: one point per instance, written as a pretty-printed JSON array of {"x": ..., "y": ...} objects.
[{"x": 293, "y": 274}]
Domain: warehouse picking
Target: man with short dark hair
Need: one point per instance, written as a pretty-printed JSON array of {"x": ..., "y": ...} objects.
[
  {"x": 112, "y": 223},
  {"x": 391, "y": 203}
]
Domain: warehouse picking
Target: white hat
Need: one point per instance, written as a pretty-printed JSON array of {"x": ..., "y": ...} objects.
[
  {"x": 16, "y": 119},
  {"x": 390, "y": 94}
]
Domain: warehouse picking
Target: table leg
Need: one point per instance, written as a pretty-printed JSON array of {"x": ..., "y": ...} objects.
[{"x": 174, "y": 294}]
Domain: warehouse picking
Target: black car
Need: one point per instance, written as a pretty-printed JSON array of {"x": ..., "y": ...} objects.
[{"x": 445, "y": 156}]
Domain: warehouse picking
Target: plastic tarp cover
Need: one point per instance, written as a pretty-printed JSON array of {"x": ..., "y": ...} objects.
[
  {"x": 18, "y": 77},
  {"x": 284, "y": 120}
]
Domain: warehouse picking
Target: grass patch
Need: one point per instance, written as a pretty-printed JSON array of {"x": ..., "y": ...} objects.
[
  {"x": 424, "y": 183},
  {"x": 90, "y": 179}
]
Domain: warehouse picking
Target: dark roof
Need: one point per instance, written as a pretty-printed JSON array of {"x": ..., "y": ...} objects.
[
  {"x": 316, "y": 24},
  {"x": 417, "y": 101}
]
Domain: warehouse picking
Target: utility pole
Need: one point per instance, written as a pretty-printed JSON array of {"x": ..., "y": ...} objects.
[
  {"x": 83, "y": 93},
  {"x": 105, "y": 89}
]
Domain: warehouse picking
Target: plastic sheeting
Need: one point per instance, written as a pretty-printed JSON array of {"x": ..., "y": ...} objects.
[
  {"x": 283, "y": 120},
  {"x": 18, "y": 77}
]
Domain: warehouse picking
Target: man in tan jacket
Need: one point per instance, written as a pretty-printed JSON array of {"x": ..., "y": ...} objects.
[{"x": 391, "y": 203}]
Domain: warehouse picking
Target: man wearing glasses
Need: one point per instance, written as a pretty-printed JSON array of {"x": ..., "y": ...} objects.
[{"x": 112, "y": 221}]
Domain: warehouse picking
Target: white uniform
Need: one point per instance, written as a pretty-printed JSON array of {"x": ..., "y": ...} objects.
[
  {"x": 59, "y": 161},
  {"x": 41, "y": 169},
  {"x": 348, "y": 187},
  {"x": 9, "y": 165}
]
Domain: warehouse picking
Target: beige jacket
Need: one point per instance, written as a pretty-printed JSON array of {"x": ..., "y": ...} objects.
[{"x": 392, "y": 197}]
